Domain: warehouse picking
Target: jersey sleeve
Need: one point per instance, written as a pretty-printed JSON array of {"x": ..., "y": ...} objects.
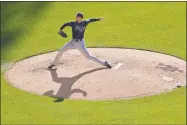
[
  {"x": 66, "y": 24},
  {"x": 91, "y": 20}
]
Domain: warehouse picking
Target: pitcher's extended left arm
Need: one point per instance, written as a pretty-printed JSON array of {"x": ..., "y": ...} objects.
[{"x": 93, "y": 20}]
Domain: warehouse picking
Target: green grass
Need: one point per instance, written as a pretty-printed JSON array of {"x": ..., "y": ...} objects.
[{"x": 31, "y": 27}]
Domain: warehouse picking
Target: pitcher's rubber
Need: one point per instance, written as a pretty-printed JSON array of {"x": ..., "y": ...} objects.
[{"x": 135, "y": 73}]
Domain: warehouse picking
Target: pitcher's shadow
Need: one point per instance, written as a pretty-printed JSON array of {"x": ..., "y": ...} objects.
[{"x": 65, "y": 90}]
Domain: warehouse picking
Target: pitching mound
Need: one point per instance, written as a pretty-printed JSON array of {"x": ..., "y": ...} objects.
[{"x": 135, "y": 73}]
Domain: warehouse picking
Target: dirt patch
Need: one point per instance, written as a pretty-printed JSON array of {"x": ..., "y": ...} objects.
[{"x": 135, "y": 73}]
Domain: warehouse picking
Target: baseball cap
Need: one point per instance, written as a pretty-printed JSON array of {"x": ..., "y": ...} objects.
[{"x": 79, "y": 15}]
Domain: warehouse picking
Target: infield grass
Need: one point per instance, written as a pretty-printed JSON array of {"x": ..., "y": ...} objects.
[{"x": 29, "y": 28}]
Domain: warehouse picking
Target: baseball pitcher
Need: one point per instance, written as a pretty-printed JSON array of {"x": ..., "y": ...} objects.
[{"x": 77, "y": 42}]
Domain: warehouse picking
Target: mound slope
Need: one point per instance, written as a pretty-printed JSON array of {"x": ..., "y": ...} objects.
[{"x": 135, "y": 73}]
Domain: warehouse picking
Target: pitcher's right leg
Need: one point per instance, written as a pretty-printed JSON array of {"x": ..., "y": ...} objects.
[
  {"x": 82, "y": 48},
  {"x": 66, "y": 47}
]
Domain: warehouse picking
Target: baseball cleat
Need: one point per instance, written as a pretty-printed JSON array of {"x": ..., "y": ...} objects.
[
  {"x": 108, "y": 65},
  {"x": 51, "y": 66}
]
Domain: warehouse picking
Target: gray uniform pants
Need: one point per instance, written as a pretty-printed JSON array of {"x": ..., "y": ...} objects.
[{"x": 80, "y": 45}]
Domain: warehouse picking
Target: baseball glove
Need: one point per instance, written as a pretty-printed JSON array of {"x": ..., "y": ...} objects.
[{"x": 62, "y": 34}]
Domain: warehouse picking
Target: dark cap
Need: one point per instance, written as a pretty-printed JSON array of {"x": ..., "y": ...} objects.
[{"x": 80, "y": 15}]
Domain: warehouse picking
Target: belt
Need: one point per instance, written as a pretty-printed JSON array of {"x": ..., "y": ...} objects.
[{"x": 77, "y": 40}]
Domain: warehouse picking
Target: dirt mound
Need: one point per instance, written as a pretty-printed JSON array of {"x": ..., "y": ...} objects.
[{"x": 134, "y": 73}]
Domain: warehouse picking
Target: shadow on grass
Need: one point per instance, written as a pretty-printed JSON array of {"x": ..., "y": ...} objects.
[
  {"x": 59, "y": 100},
  {"x": 18, "y": 19}
]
